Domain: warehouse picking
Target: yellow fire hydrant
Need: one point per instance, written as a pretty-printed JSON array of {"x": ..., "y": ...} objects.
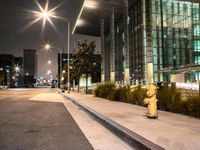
[{"x": 151, "y": 101}]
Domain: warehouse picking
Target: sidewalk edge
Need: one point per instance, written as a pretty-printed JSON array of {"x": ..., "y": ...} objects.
[{"x": 133, "y": 139}]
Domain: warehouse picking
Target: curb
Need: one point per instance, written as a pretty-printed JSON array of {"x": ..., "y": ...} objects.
[{"x": 133, "y": 139}]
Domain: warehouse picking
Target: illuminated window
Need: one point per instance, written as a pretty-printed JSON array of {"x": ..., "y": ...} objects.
[
  {"x": 195, "y": 13},
  {"x": 197, "y": 30},
  {"x": 196, "y": 46},
  {"x": 197, "y": 60},
  {"x": 123, "y": 36},
  {"x": 117, "y": 29},
  {"x": 197, "y": 75}
]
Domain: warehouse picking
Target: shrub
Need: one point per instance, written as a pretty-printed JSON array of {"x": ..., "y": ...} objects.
[
  {"x": 104, "y": 90},
  {"x": 97, "y": 91},
  {"x": 169, "y": 99},
  {"x": 121, "y": 94},
  {"x": 137, "y": 95},
  {"x": 109, "y": 91},
  {"x": 193, "y": 105}
]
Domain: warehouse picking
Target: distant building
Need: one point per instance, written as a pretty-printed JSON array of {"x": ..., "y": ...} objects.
[
  {"x": 18, "y": 61},
  {"x": 11, "y": 76},
  {"x": 30, "y": 67},
  {"x": 30, "y": 62}
]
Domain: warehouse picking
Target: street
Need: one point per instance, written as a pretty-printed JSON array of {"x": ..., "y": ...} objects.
[
  {"x": 26, "y": 124},
  {"x": 100, "y": 75}
]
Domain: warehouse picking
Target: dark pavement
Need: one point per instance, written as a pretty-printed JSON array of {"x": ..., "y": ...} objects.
[{"x": 31, "y": 125}]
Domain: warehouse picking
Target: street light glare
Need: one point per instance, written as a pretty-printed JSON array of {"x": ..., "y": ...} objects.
[
  {"x": 91, "y": 4},
  {"x": 49, "y": 72},
  {"x": 47, "y": 46},
  {"x": 46, "y": 14},
  {"x": 80, "y": 22},
  {"x": 49, "y": 62},
  {"x": 17, "y": 68}
]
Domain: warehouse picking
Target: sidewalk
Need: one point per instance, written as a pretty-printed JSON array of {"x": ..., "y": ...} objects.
[
  {"x": 171, "y": 131},
  {"x": 98, "y": 136}
]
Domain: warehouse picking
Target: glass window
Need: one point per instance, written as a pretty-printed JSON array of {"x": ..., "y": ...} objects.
[
  {"x": 196, "y": 30},
  {"x": 197, "y": 60},
  {"x": 197, "y": 75},
  {"x": 196, "y": 46},
  {"x": 195, "y": 13}
]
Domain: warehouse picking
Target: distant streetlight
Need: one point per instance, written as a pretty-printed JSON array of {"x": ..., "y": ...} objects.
[
  {"x": 17, "y": 68},
  {"x": 45, "y": 14},
  {"x": 47, "y": 47},
  {"x": 49, "y": 62},
  {"x": 49, "y": 72}
]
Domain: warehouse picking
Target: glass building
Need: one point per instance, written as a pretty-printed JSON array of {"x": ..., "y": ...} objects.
[
  {"x": 165, "y": 33},
  {"x": 143, "y": 37}
]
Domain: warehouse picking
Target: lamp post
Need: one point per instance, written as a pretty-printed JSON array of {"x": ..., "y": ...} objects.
[
  {"x": 46, "y": 15},
  {"x": 68, "y": 57},
  {"x": 47, "y": 47}
]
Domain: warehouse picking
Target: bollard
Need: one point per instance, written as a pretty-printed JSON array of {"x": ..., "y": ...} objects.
[{"x": 151, "y": 101}]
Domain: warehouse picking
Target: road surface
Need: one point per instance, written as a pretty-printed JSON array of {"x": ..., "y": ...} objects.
[{"x": 38, "y": 125}]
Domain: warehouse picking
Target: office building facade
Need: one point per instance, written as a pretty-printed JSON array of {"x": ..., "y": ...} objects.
[
  {"x": 161, "y": 34},
  {"x": 141, "y": 38}
]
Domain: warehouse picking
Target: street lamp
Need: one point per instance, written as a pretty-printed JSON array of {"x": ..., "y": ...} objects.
[
  {"x": 49, "y": 72},
  {"x": 47, "y": 47},
  {"x": 17, "y": 68},
  {"x": 45, "y": 14},
  {"x": 49, "y": 62}
]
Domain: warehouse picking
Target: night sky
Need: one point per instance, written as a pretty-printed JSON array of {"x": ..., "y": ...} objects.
[{"x": 14, "y": 36}]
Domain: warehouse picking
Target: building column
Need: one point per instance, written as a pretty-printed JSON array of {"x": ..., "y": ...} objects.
[
  {"x": 102, "y": 51},
  {"x": 148, "y": 40},
  {"x": 126, "y": 42},
  {"x": 112, "y": 43}
]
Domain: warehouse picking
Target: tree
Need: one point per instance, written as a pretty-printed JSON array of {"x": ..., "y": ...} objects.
[
  {"x": 73, "y": 74},
  {"x": 84, "y": 61},
  {"x": 76, "y": 70}
]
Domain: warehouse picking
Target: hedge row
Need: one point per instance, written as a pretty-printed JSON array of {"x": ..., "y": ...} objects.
[{"x": 169, "y": 99}]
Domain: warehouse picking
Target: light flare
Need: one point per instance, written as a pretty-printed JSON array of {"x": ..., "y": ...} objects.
[
  {"x": 47, "y": 46},
  {"x": 45, "y": 14},
  {"x": 91, "y": 4},
  {"x": 17, "y": 68}
]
